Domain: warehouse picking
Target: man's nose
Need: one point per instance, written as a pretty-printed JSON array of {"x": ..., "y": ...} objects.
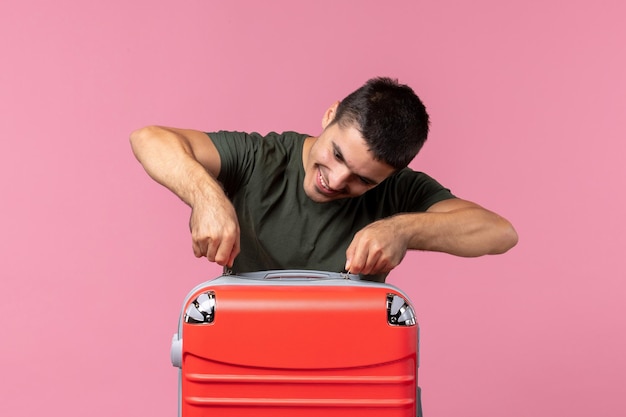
[{"x": 339, "y": 177}]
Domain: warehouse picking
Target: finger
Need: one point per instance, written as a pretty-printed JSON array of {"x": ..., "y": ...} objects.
[
  {"x": 381, "y": 267},
  {"x": 370, "y": 266},
  {"x": 224, "y": 253},
  {"x": 198, "y": 248},
  {"x": 349, "y": 256},
  {"x": 358, "y": 257},
  {"x": 234, "y": 253},
  {"x": 199, "y": 245},
  {"x": 213, "y": 249}
]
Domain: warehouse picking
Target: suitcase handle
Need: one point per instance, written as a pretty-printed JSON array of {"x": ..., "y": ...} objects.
[{"x": 298, "y": 274}]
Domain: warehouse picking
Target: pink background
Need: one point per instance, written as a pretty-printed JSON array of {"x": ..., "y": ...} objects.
[{"x": 527, "y": 100}]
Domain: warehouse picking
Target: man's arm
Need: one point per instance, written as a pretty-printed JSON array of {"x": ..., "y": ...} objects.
[
  {"x": 187, "y": 163},
  {"x": 454, "y": 226}
]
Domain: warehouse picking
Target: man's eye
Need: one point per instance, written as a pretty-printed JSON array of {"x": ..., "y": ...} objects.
[
  {"x": 338, "y": 156},
  {"x": 365, "y": 181}
]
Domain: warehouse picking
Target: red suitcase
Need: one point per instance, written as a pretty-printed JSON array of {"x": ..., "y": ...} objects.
[{"x": 297, "y": 343}]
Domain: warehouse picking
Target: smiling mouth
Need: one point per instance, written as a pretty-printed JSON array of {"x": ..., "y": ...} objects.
[{"x": 324, "y": 188}]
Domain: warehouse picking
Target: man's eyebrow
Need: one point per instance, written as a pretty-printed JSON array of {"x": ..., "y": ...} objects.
[{"x": 337, "y": 149}]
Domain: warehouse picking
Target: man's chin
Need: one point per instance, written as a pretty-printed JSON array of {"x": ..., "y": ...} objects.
[
  {"x": 320, "y": 197},
  {"x": 315, "y": 193}
]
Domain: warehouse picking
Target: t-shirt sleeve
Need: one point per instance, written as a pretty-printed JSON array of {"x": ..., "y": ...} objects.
[
  {"x": 237, "y": 151},
  {"x": 412, "y": 191}
]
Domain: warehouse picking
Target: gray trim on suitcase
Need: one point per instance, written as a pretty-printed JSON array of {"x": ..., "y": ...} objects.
[{"x": 299, "y": 274}]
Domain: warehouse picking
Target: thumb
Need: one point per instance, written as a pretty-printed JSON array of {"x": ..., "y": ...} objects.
[
  {"x": 349, "y": 254},
  {"x": 235, "y": 251}
]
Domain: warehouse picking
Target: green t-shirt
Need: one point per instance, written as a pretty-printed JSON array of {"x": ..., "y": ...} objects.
[{"x": 281, "y": 227}]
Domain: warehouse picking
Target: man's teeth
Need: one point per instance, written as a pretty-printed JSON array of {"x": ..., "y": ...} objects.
[{"x": 324, "y": 182}]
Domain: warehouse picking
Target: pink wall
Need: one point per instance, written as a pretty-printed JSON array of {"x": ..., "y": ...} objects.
[{"x": 528, "y": 102}]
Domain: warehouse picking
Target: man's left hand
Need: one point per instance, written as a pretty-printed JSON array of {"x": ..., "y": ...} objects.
[{"x": 377, "y": 248}]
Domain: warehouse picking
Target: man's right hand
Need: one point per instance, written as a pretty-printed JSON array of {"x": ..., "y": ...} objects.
[{"x": 215, "y": 232}]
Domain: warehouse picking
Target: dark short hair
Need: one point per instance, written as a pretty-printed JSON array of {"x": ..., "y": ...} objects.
[{"x": 391, "y": 118}]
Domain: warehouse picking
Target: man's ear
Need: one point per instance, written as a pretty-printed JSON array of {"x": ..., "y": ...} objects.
[{"x": 329, "y": 115}]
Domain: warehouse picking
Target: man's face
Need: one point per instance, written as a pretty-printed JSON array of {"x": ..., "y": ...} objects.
[{"x": 339, "y": 165}]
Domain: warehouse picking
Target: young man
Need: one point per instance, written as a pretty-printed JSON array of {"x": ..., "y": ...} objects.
[{"x": 344, "y": 200}]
